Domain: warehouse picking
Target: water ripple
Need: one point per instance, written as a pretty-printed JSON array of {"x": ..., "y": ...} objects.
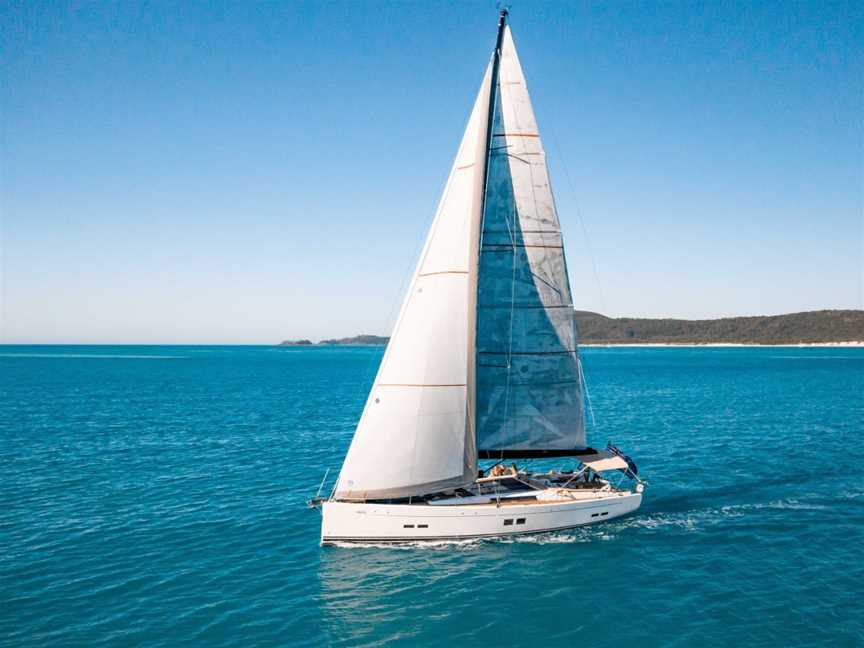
[{"x": 162, "y": 504}]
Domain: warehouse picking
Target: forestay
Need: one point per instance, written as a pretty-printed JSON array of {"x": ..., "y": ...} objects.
[
  {"x": 529, "y": 391},
  {"x": 417, "y": 432}
]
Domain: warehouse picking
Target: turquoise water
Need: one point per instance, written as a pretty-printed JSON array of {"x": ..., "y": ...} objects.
[{"x": 155, "y": 496}]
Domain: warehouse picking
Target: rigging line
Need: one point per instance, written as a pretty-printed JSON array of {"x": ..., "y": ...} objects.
[
  {"x": 587, "y": 394},
  {"x": 547, "y": 282},
  {"x": 512, "y": 309},
  {"x": 580, "y": 218},
  {"x": 516, "y": 157},
  {"x": 406, "y": 276}
]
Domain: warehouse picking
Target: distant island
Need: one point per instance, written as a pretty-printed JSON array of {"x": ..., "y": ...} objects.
[
  {"x": 812, "y": 327},
  {"x": 357, "y": 340}
]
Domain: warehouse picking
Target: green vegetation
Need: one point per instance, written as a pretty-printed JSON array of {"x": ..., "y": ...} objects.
[
  {"x": 794, "y": 328},
  {"x": 357, "y": 340},
  {"x": 360, "y": 340}
]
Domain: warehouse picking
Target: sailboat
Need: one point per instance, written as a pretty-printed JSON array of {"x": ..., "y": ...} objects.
[{"x": 483, "y": 364}]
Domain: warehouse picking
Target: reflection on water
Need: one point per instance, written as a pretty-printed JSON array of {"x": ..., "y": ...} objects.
[
  {"x": 364, "y": 587},
  {"x": 456, "y": 588}
]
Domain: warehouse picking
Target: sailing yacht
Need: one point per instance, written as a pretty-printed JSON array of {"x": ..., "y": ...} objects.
[{"x": 483, "y": 364}]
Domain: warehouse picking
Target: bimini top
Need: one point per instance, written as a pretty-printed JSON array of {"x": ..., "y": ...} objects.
[{"x": 603, "y": 460}]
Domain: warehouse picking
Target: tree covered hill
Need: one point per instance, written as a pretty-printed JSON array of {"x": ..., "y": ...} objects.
[{"x": 794, "y": 328}]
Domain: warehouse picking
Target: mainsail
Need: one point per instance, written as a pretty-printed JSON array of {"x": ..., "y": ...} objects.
[
  {"x": 529, "y": 390},
  {"x": 482, "y": 360}
]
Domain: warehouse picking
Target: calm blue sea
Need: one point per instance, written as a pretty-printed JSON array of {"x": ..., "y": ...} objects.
[{"x": 155, "y": 496}]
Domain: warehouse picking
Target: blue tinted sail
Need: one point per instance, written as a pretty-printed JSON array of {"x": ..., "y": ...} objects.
[{"x": 529, "y": 390}]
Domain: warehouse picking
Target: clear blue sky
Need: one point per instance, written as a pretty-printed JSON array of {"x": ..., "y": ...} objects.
[{"x": 248, "y": 172}]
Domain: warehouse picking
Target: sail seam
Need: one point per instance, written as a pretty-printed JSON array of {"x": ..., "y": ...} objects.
[
  {"x": 507, "y": 231},
  {"x": 527, "y": 306},
  {"x": 527, "y": 353},
  {"x": 441, "y": 272},
  {"x": 533, "y": 383},
  {"x": 491, "y": 247},
  {"x": 420, "y": 385}
]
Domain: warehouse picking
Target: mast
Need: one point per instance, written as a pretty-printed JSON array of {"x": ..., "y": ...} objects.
[
  {"x": 476, "y": 241},
  {"x": 484, "y": 151},
  {"x": 496, "y": 63}
]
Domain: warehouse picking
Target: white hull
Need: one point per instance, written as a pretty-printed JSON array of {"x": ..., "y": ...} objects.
[{"x": 370, "y": 522}]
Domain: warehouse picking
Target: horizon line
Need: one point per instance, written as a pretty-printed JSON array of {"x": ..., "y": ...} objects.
[{"x": 387, "y": 335}]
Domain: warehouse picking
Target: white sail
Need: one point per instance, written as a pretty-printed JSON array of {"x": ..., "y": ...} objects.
[
  {"x": 417, "y": 432},
  {"x": 529, "y": 391}
]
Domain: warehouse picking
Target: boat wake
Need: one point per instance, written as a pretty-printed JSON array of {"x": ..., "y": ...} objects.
[
  {"x": 699, "y": 518},
  {"x": 420, "y": 544}
]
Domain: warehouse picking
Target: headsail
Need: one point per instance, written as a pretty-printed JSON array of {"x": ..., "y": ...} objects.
[
  {"x": 529, "y": 391},
  {"x": 417, "y": 431}
]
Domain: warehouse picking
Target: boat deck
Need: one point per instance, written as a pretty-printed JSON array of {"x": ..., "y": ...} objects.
[{"x": 530, "y": 498}]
